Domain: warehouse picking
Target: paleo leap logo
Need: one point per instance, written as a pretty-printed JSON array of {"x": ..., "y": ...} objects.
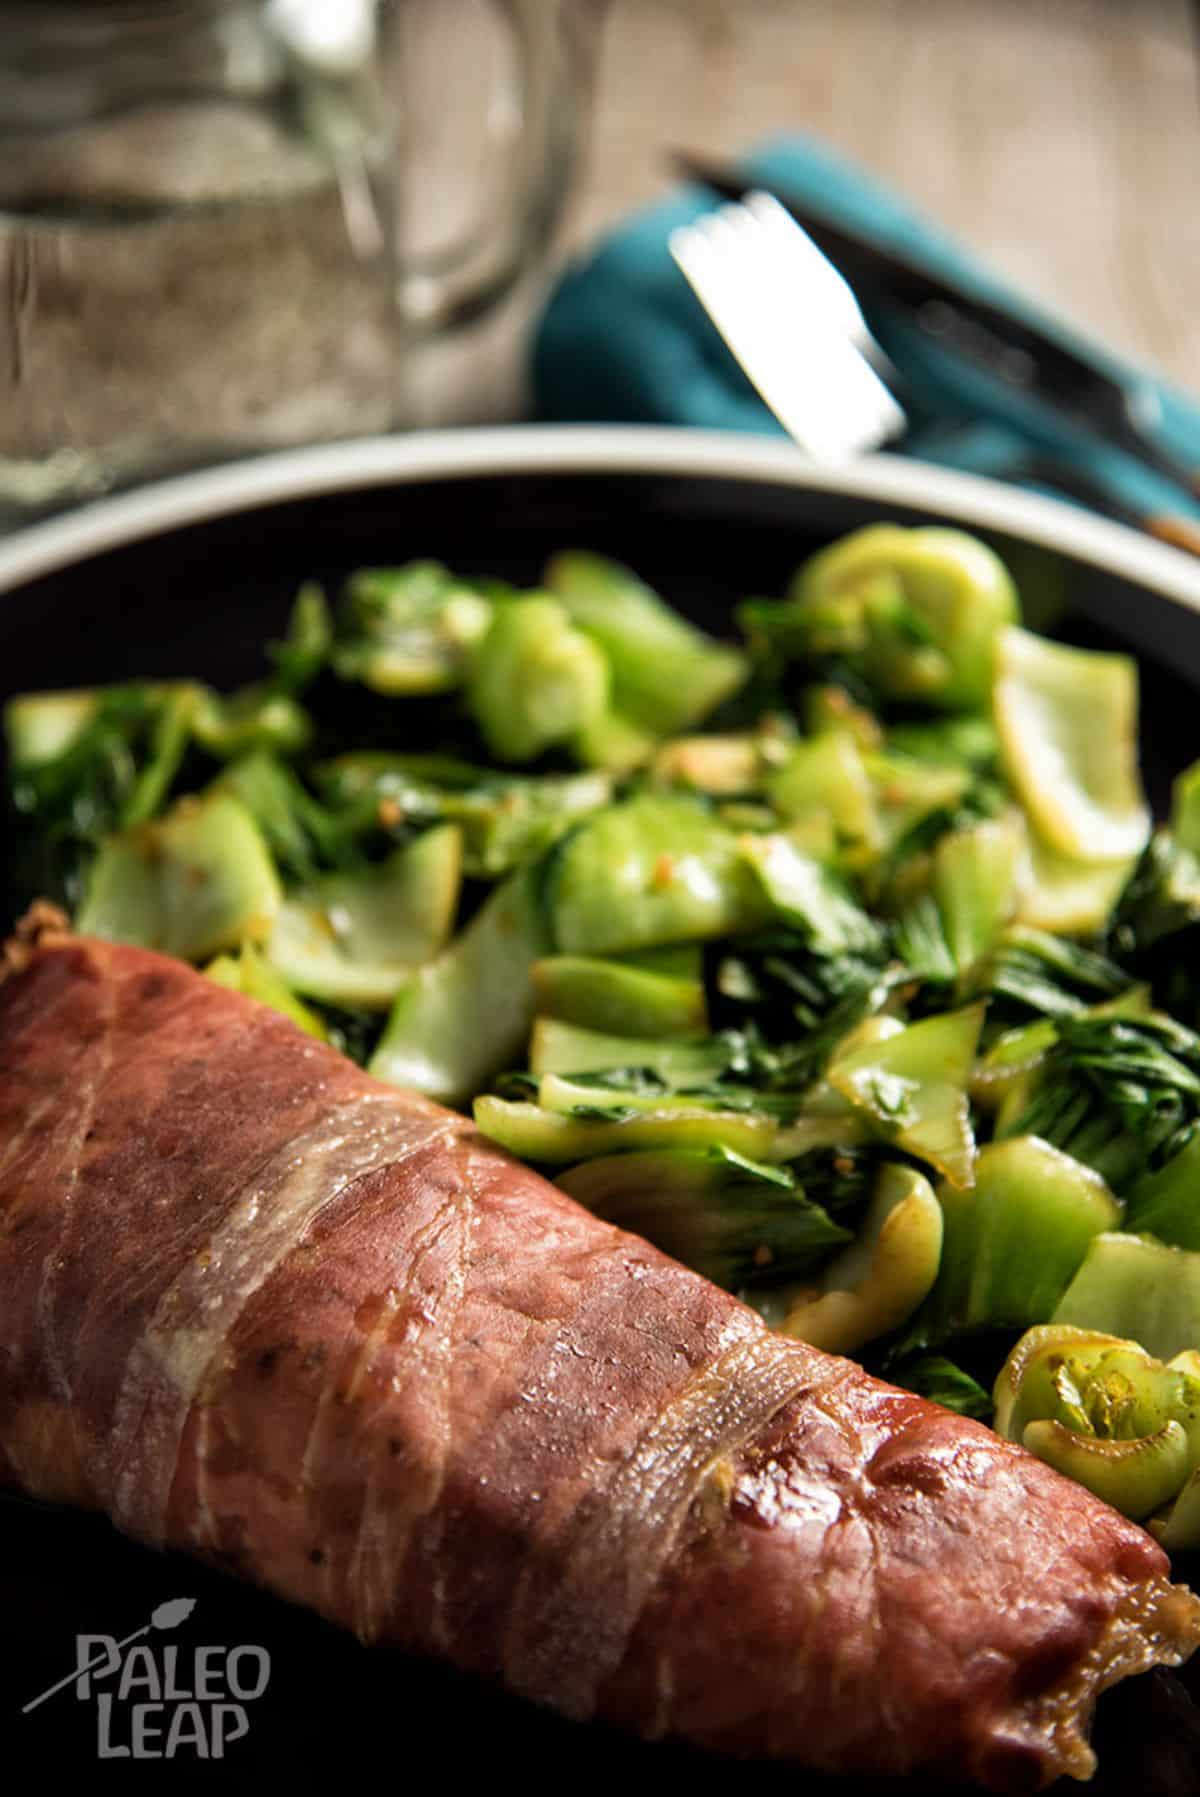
[{"x": 152, "y": 1704}]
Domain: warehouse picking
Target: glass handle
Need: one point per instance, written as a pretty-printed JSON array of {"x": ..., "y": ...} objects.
[{"x": 552, "y": 45}]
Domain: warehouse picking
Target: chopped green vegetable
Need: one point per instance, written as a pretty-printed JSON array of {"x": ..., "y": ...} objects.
[
  {"x": 536, "y": 1134},
  {"x": 797, "y": 1002},
  {"x": 723, "y": 766},
  {"x": 971, "y": 895},
  {"x": 917, "y": 611},
  {"x": 912, "y": 1085},
  {"x": 534, "y": 681},
  {"x": 799, "y": 891},
  {"x": 610, "y": 741},
  {"x": 41, "y": 727},
  {"x": 1015, "y": 1053},
  {"x": 557, "y": 1047},
  {"x": 1012, "y": 1056},
  {"x": 1154, "y": 928},
  {"x": 1067, "y": 896},
  {"x": 306, "y": 648},
  {"x": 961, "y": 740},
  {"x": 1067, "y": 722},
  {"x": 659, "y": 867},
  {"x": 596, "y": 1095},
  {"x": 874, "y": 1285},
  {"x": 507, "y": 820},
  {"x": 1114, "y": 1091},
  {"x": 1178, "y": 1528},
  {"x": 914, "y": 800},
  {"x": 825, "y": 1120},
  {"x": 1031, "y": 970},
  {"x": 352, "y": 939},
  {"x": 1135, "y": 1475},
  {"x": 1185, "y": 809},
  {"x": 247, "y": 972},
  {"x": 974, "y": 884},
  {"x": 197, "y": 881},
  {"x": 612, "y": 996},
  {"x": 459, "y": 1019},
  {"x": 1166, "y": 1201},
  {"x": 827, "y": 776},
  {"x": 409, "y": 630},
  {"x": 1105, "y": 1412},
  {"x": 738, "y": 1222},
  {"x": 301, "y": 833},
  {"x": 510, "y": 826},
  {"x": 1137, "y": 1288},
  {"x": 255, "y": 718},
  {"x": 831, "y": 707},
  {"x": 1014, "y": 1242},
  {"x": 87, "y": 764},
  {"x": 934, "y": 1377},
  {"x": 177, "y": 717},
  {"x": 666, "y": 674}
]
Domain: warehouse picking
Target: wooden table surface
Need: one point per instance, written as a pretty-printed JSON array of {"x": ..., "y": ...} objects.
[{"x": 1060, "y": 139}]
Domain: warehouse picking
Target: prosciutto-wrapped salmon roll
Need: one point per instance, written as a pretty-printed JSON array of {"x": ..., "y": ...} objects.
[{"x": 255, "y": 1305}]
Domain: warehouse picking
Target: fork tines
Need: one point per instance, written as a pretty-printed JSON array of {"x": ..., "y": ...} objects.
[{"x": 793, "y": 324}]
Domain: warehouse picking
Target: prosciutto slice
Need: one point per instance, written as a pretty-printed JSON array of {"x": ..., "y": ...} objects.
[{"x": 257, "y": 1306}]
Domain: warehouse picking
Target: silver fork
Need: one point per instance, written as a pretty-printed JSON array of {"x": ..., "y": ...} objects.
[{"x": 793, "y": 324}]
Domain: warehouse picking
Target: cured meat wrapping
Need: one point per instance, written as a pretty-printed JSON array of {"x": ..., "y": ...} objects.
[{"x": 255, "y": 1305}]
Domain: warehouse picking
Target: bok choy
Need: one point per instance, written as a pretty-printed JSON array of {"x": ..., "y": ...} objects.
[{"x": 835, "y": 953}]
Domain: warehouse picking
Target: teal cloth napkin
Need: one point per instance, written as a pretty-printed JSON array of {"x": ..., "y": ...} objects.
[{"x": 624, "y": 339}]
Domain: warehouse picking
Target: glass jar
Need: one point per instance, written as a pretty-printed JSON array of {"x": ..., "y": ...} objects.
[{"x": 202, "y": 219}]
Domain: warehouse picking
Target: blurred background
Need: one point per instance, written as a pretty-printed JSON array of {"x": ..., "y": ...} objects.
[
  {"x": 1059, "y": 139},
  {"x": 234, "y": 225}
]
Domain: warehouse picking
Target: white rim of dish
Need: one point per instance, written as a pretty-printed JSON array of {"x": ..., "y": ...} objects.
[{"x": 234, "y": 487}]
